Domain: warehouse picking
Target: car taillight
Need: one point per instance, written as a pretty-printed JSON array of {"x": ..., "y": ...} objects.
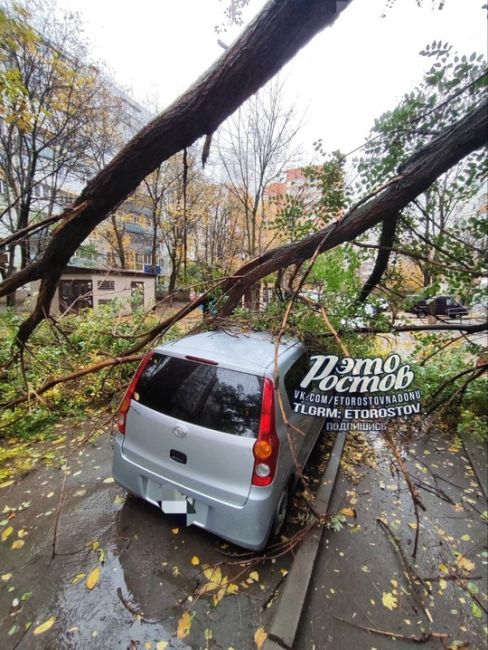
[
  {"x": 125, "y": 404},
  {"x": 267, "y": 445}
]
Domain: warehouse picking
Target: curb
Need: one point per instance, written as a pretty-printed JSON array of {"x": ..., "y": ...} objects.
[
  {"x": 476, "y": 454},
  {"x": 285, "y": 623}
]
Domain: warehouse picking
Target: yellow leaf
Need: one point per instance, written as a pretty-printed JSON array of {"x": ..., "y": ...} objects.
[
  {"x": 260, "y": 637},
  {"x": 347, "y": 512},
  {"x": 413, "y": 525},
  {"x": 210, "y": 586},
  {"x": 443, "y": 568},
  {"x": 254, "y": 575},
  {"x": 161, "y": 645},
  {"x": 78, "y": 578},
  {"x": 6, "y": 484},
  {"x": 175, "y": 531},
  {"x": 22, "y": 533},
  {"x": 184, "y": 625},
  {"x": 6, "y": 577},
  {"x": 213, "y": 574},
  {"x": 389, "y": 600},
  {"x": 19, "y": 543},
  {"x": 195, "y": 560},
  {"x": 44, "y": 627},
  {"x": 109, "y": 480},
  {"x": 232, "y": 589},
  {"x": 218, "y": 597},
  {"x": 7, "y": 532},
  {"x": 443, "y": 584},
  {"x": 93, "y": 578},
  {"x": 465, "y": 564},
  {"x": 394, "y": 583},
  {"x": 148, "y": 645}
]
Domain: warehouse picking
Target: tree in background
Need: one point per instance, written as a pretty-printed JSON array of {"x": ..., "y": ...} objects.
[
  {"x": 46, "y": 104},
  {"x": 441, "y": 229},
  {"x": 255, "y": 145}
]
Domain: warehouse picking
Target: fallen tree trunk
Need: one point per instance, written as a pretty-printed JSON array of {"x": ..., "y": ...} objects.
[
  {"x": 416, "y": 175},
  {"x": 272, "y": 39}
]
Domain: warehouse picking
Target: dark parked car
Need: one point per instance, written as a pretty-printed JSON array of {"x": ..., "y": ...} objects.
[
  {"x": 439, "y": 306},
  {"x": 446, "y": 306},
  {"x": 419, "y": 308}
]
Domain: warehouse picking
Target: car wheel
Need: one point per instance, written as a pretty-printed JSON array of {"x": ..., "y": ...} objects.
[{"x": 280, "y": 513}]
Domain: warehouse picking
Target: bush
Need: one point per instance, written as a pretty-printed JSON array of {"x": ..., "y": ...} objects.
[{"x": 58, "y": 348}]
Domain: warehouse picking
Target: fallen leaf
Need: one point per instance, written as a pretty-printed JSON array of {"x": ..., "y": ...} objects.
[
  {"x": 465, "y": 564},
  {"x": 465, "y": 538},
  {"x": 19, "y": 543},
  {"x": 6, "y": 577},
  {"x": 443, "y": 568},
  {"x": 347, "y": 512},
  {"x": 161, "y": 645},
  {"x": 413, "y": 525},
  {"x": 208, "y": 634},
  {"x": 175, "y": 531},
  {"x": 389, "y": 600},
  {"x": 7, "y": 532},
  {"x": 184, "y": 625},
  {"x": 213, "y": 574},
  {"x": 195, "y": 560},
  {"x": 93, "y": 578},
  {"x": 109, "y": 480},
  {"x": 260, "y": 637},
  {"x": 365, "y": 568},
  {"x": 148, "y": 645},
  {"x": 44, "y": 627},
  {"x": 6, "y": 484},
  {"x": 254, "y": 575},
  {"x": 442, "y": 584},
  {"x": 78, "y": 578},
  {"x": 476, "y": 611},
  {"x": 232, "y": 588},
  {"x": 22, "y": 533}
]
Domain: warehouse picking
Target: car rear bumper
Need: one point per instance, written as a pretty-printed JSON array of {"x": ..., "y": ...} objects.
[{"x": 246, "y": 525}]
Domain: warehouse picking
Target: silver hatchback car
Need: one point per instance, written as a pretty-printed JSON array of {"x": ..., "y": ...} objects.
[{"x": 207, "y": 430}]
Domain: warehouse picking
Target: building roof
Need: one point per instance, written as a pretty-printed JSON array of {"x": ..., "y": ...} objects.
[{"x": 84, "y": 270}]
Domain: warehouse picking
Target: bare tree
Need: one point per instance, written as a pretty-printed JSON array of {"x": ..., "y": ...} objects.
[
  {"x": 44, "y": 111},
  {"x": 255, "y": 145}
]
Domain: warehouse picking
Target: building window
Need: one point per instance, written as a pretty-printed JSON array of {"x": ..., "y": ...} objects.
[{"x": 106, "y": 285}]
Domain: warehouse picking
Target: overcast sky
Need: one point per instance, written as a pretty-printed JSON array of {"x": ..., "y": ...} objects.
[{"x": 348, "y": 75}]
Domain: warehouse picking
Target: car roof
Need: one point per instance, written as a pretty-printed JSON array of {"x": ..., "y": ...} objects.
[{"x": 247, "y": 351}]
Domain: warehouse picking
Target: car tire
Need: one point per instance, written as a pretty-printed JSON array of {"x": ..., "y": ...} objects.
[{"x": 280, "y": 514}]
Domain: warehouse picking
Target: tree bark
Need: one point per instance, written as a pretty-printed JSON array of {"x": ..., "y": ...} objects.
[
  {"x": 415, "y": 176},
  {"x": 387, "y": 238},
  {"x": 273, "y": 38}
]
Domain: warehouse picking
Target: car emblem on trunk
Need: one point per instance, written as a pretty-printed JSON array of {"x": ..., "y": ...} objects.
[{"x": 178, "y": 431}]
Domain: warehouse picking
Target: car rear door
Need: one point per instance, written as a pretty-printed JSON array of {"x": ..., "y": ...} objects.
[{"x": 194, "y": 424}]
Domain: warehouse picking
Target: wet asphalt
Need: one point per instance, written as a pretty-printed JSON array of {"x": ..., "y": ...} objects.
[
  {"x": 361, "y": 580},
  {"x": 151, "y": 569}
]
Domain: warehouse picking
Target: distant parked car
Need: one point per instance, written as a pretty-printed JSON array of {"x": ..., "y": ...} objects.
[
  {"x": 201, "y": 432},
  {"x": 439, "y": 306},
  {"x": 419, "y": 307},
  {"x": 446, "y": 306}
]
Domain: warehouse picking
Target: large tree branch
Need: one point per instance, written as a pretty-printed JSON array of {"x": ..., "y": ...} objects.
[
  {"x": 417, "y": 174},
  {"x": 387, "y": 238},
  {"x": 272, "y": 39}
]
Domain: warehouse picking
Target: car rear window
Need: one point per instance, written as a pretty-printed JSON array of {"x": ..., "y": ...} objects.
[{"x": 210, "y": 396}]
